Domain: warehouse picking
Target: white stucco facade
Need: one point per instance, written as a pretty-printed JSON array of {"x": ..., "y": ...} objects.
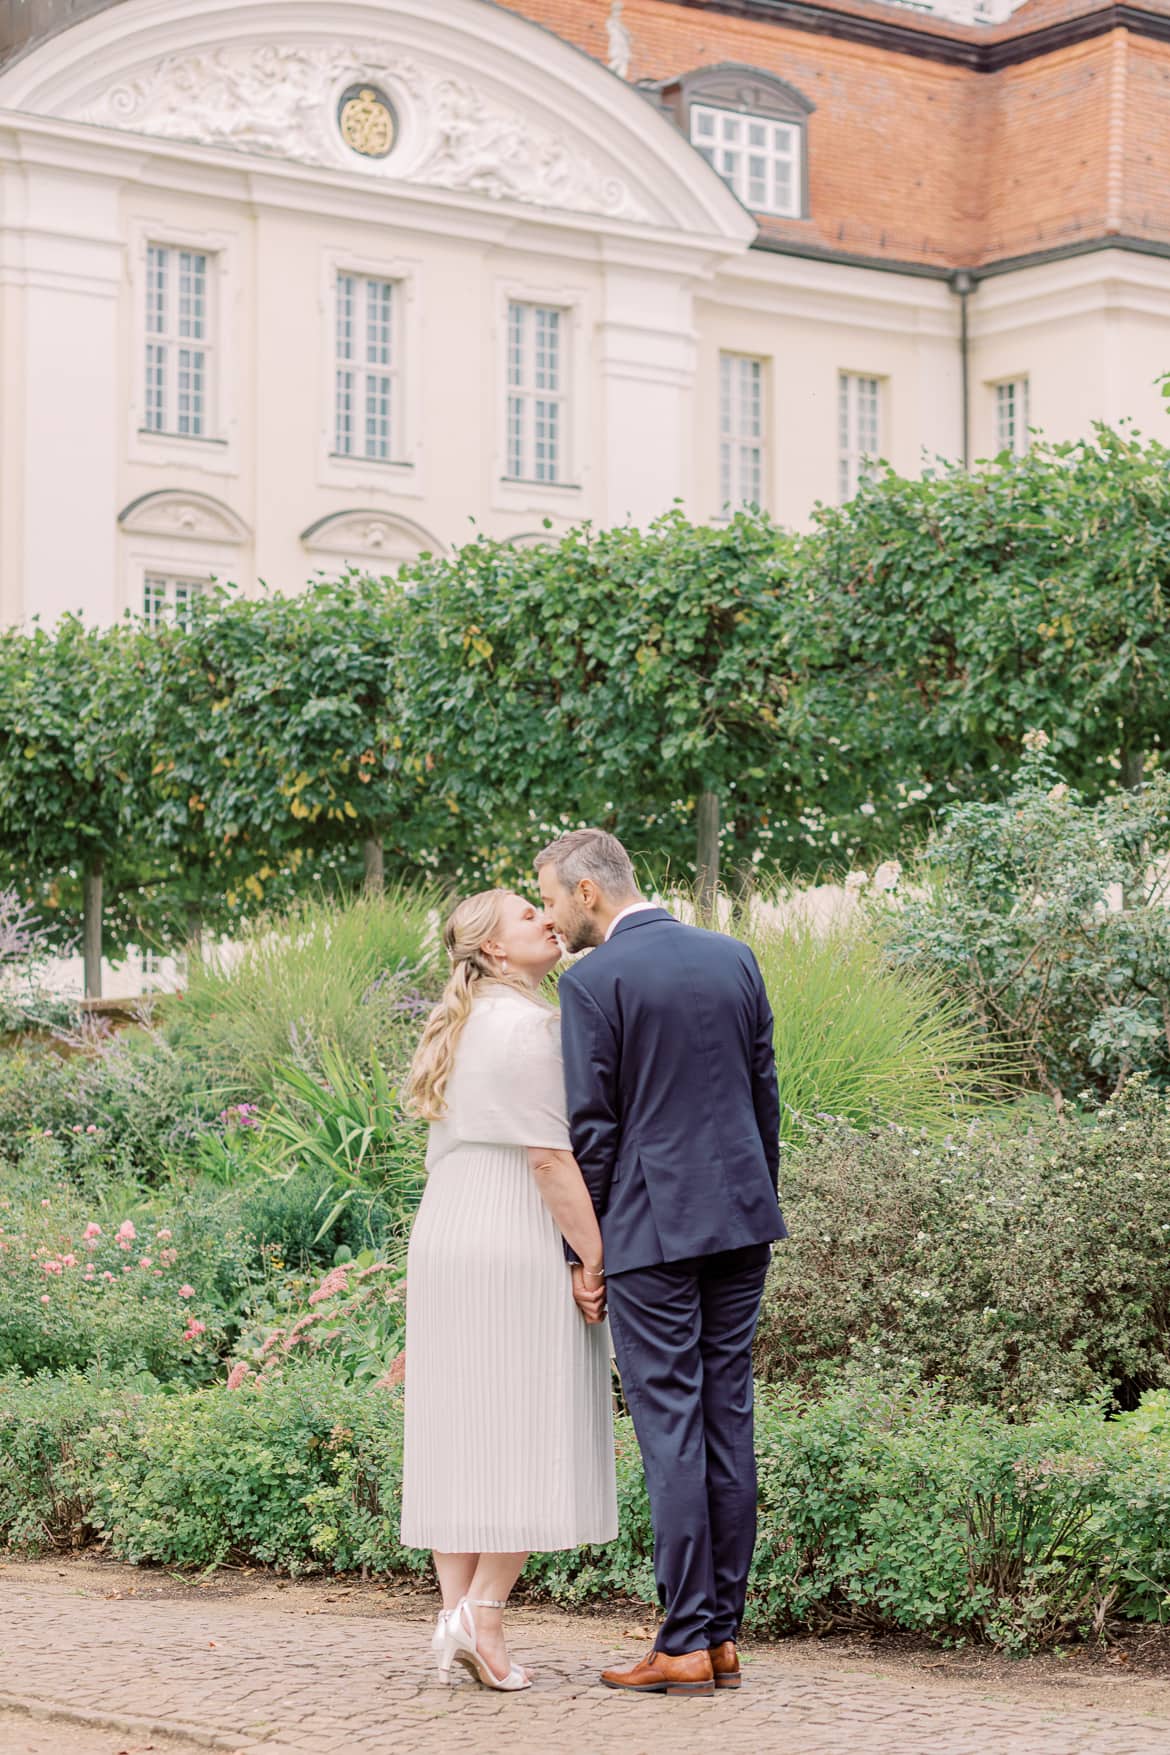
[{"x": 522, "y": 174}]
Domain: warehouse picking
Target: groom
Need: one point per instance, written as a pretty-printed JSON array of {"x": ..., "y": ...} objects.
[{"x": 674, "y": 1117}]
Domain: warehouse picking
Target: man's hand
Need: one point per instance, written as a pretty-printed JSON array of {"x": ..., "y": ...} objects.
[{"x": 589, "y": 1293}]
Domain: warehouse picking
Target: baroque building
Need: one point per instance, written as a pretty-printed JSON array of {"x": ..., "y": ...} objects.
[{"x": 291, "y": 284}]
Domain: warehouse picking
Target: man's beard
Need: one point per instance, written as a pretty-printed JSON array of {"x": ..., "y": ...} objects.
[{"x": 581, "y": 932}]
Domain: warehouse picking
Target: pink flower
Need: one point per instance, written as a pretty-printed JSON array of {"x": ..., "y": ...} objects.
[
  {"x": 44, "y": 1203},
  {"x": 51, "y": 1267},
  {"x": 68, "y": 1261},
  {"x": 48, "y": 1136},
  {"x": 92, "y": 1230},
  {"x": 334, "y": 1281},
  {"x": 76, "y": 1127},
  {"x": 44, "y": 1297},
  {"x": 106, "y": 1274},
  {"x": 126, "y": 1229},
  {"x": 168, "y": 1256},
  {"x": 128, "y": 1267},
  {"x": 186, "y": 1291},
  {"x": 158, "y": 1273},
  {"x": 90, "y": 1271},
  {"x": 144, "y": 1261},
  {"x": 163, "y": 1234},
  {"x": 91, "y": 1243},
  {"x": 237, "y": 1374},
  {"x": 123, "y": 1243},
  {"x": 92, "y": 1128},
  {"x": 194, "y": 1329}
]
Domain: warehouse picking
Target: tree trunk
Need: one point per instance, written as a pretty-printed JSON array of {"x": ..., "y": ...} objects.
[
  {"x": 707, "y": 855},
  {"x": 194, "y": 933},
  {"x": 375, "y": 866},
  {"x": 92, "y": 929},
  {"x": 1133, "y": 764}
]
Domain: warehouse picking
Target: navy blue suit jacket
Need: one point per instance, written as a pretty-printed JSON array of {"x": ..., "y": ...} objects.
[{"x": 674, "y": 1112}]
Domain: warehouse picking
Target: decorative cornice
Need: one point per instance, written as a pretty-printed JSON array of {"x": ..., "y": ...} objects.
[{"x": 937, "y": 45}]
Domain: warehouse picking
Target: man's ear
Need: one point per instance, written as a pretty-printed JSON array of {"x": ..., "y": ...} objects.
[{"x": 588, "y": 893}]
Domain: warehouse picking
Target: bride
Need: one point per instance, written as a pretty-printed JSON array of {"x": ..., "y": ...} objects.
[{"x": 509, "y": 1426}]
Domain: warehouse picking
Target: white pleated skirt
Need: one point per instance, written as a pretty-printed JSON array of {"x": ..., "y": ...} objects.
[{"x": 509, "y": 1412}]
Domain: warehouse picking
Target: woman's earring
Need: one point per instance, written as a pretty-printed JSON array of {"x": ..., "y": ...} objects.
[{"x": 504, "y": 964}]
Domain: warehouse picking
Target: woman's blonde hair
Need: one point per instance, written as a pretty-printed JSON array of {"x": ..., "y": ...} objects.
[{"x": 469, "y": 923}]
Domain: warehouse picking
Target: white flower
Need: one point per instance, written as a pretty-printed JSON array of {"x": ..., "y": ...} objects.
[
  {"x": 1036, "y": 741},
  {"x": 867, "y": 809}
]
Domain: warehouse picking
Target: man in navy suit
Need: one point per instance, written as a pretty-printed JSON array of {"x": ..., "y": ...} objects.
[{"x": 674, "y": 1117}]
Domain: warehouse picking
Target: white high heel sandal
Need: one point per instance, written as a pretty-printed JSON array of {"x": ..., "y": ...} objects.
[{"x": 455, "y": 1641}]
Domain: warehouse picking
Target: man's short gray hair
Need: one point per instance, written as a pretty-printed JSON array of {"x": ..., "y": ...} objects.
[{"x": 591, "y": 853}]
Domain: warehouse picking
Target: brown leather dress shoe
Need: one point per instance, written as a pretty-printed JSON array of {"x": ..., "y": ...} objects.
[
  {"x": 688, "y": 1673},
  {"x": 725, "y": 1663}
]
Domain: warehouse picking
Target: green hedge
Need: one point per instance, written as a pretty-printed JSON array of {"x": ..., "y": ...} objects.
[{"x": 879, "y": 1507}]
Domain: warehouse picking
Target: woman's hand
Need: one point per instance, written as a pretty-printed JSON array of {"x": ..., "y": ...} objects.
[{"x": 589, "y": 1292}]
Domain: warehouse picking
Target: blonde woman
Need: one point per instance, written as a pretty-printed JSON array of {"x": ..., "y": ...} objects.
[{"x": 509, "y": 1427}]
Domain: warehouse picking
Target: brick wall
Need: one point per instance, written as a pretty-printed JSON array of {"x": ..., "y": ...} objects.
[{"x": 915, "y": 160}]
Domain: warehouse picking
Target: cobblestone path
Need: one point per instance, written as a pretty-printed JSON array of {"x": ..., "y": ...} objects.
[{"x": 105, "y": 1671}]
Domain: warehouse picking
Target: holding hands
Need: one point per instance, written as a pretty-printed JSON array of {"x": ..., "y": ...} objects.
[{"x": 589, "y": 1292}]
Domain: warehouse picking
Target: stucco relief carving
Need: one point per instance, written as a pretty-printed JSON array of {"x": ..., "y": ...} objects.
[
  {"x": 195, "y": 517},
  {"x": 369, "y": 535},
  {"x": 281, "y": 101}
]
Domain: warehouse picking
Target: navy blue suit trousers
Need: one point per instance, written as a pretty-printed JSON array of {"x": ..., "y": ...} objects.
[{"x": 683, "y": 1333}]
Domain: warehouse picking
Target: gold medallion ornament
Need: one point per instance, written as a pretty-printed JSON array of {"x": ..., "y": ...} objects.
[{"x": 366, "y": 121}]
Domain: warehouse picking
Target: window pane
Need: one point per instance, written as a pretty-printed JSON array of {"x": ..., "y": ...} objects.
[
  {"x": 516, "y": 326},
  {"x": 516, "y": 435},
  {"x": 703, "y": 124},
  {"x": 154, "y": 598},
  {"x": 156, "y": 290},
  {"x": 343, "y": 409},
  {"x": 378, "y": 416},
  {"x": 156, "y": 376},
  {"x": 345, "y": 303},
  {"x": 192, "y": 295},
  {"x": 378, "y": 293}
]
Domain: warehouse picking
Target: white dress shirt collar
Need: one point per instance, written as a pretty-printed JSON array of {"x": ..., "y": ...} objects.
[{"x": 634, "y": 908}]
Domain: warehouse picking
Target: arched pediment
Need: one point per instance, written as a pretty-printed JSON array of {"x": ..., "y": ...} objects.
[
  {"x": 456, "y": 95},
  {"x": 360, "y": 536},
  {"x": 173, "y": 513}
]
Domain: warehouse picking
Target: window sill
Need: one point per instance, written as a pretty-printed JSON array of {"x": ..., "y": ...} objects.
[
  {"x": 401, "y": 464},
  {"x": 551, "y": 487},
  {"x": 169, "y": 438}
]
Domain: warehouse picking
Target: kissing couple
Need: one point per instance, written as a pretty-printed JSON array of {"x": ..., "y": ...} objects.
[{"x": 618, "y": 1159}]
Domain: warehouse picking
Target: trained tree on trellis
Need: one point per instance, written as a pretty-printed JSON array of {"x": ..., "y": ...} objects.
[
  {"x": 66, "y": 796},
  {"x": 941, "y": 617}
]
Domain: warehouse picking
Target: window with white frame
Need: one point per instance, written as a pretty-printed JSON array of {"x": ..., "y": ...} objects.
[
  {"x": 758, "y": 156},
  {"x": 166, "y": 598},
  {"x": 178, "y": 342},
  {"x": 859, "y": 422},
  {"x": 1011, "y": 416},
  {"x": 366, "y": 370},
  {"x": 741, "y": 430},
  {"x": 536, "y": 411}
]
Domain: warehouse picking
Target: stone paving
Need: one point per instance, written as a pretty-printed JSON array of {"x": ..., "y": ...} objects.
[{"x": 292, "y": 1677}]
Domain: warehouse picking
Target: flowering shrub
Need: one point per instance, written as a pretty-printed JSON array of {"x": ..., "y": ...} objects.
[
  {"x": 76, "y": 1291},
  {"x": 355, "y": 1316}
]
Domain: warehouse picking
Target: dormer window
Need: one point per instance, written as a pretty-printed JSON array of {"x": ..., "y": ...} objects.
[
  {"x": 751, "y": 127},
  {"x": 760, "y": 159}
]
